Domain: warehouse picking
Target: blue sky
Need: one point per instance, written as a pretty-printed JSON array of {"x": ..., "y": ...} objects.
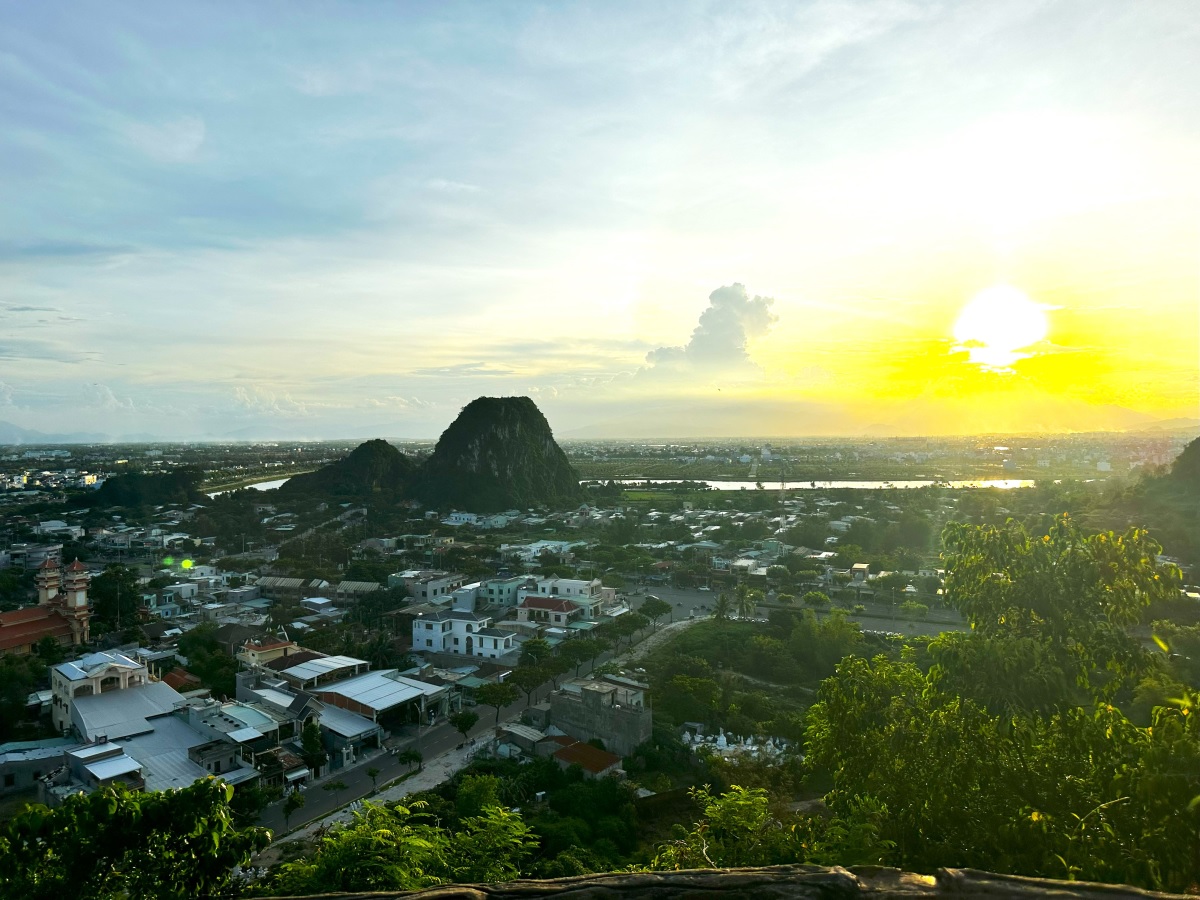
[{"x": 328, "y": 219}]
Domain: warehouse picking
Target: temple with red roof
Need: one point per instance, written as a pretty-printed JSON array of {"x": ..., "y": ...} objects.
[{"x": 62, "y": 612}]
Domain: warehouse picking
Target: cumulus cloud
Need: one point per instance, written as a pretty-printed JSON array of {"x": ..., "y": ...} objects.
[
  {"x": 396, "y": 402},
  {"x": 719, "y": 342},
  {"x": 259, "y": 401},
  {"x": 101, "y": 396}
]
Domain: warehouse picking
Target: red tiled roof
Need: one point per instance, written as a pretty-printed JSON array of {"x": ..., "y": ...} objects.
[
  {"x": 180, "y": 679},
  {"x": 77, "y": 566},
  {"x": 22, "y": 627},
  {"x": 555, "y": 604},
  {"x": 48, "y": 563},
  {"x": 593, "y": 759}
]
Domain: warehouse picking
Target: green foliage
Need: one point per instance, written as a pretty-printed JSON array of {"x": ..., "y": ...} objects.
[
  {"x": 463, "y": 721},
  {"x": 815, "y": 599},
  {"x": 1076, "y": 594},
  {"x": 535, "y": 651},
  {"x": 737, "y": 830},
  {"x": 312, "y": 749},
  {"x": 113, "y": 842},
  {"x": 136, "y": 489},
  {"x": 19, "y": 677},
  {"x": 654, "y": 609},
  {"x": 498, "y": 695},
  {"x": 499, "y": 453},
  {"x": 294, "y": 802},
  {"x": 528, "y": 679},
  {"x": 374, "y": 468},
  {"x": 215, "y": 668},
  {"x": 1077, "y": 793},
  {"x": 400, "y": 848},
  {"x": 251, "y": 799},
  {"x": 114, "y": 595}
]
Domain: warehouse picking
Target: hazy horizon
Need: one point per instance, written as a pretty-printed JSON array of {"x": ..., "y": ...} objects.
[{"x": 789, "y": 219}]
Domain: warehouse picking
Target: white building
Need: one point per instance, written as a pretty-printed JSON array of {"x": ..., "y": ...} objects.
[
  {"x": 427, "y": 584},
  {"x": 460, "y": 632},
  {"x": 571, "y": 588},
  {"x": 96, "y": 673}
]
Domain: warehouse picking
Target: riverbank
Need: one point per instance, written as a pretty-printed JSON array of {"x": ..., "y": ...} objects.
[{"x": 255, "y": 481}]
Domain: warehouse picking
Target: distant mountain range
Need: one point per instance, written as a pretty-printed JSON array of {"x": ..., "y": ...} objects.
[{"x": 761, "y": 419}]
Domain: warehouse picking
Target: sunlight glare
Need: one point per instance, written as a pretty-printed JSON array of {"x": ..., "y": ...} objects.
[{"x": 997, "y": 324}]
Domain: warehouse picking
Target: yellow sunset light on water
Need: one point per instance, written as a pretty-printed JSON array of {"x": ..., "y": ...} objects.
[{"x": 998, "y": 324}]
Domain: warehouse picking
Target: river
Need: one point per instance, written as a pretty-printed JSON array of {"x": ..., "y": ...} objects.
[
  {"x": 258, "y": 486},
  {"x": 1002, "y": 483}
]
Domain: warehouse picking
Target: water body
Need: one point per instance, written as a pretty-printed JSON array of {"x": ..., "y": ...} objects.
[
  {"x": 1002, "y": 483},
  {"x": 258, "y": 486}
]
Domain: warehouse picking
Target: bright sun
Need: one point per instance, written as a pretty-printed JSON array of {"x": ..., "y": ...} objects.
[{"x": 997, "y": 324}]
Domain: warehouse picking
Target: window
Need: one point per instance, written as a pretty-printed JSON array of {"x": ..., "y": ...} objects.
[
  {"x": 456, "y": 642},
  {"x": 428, "y": 642},
  {"x": 429, "y": 626}
]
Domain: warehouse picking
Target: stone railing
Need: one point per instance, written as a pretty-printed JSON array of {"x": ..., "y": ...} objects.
[{"x": 779, "y": 883}]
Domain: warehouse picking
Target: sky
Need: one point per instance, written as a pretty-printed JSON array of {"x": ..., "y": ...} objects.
[{"x": 323, "y": 220}]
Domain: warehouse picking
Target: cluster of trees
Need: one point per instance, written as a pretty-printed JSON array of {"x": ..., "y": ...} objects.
[{"x": 1010, "y": 751}]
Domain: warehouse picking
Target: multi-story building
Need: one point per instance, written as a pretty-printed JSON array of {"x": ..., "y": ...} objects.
[
  {"x": 427, "y": 584},
  {"x": 460, "y": 632},
  {"x": 96, "y": 673}
]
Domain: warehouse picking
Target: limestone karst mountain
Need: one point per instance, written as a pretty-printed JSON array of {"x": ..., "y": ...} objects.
[
  {"x": 498, "y": 454},
  {"x": 372, "y": 468}
]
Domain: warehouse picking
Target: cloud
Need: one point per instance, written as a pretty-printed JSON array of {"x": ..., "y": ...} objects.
[
  {"x": 174, "y": 141},
  {"x": 45, "y": 352},
  {"x": 719, "y": 341},
  {"x": 101, "y": 396},
  {"x": 260, "y": 401},
  {"x": 453, "y": 187},
  {"x": 6, "y": 395},
  {"x": 405, "y": 403},
  {"x": 11, "y": 251},
  {"x": 465, "y": 369}
]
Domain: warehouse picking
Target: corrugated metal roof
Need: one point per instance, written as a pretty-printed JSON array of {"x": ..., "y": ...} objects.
[
  {"x": 347, "y": 724},
  {"x": 110, "y": 768},
  {"x": 381, "y": 690},
  {"x": 324, "y": 665}
]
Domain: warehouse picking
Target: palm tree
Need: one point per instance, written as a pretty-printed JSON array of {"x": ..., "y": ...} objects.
[
  {"x": 721, "y": 608},
  {"x": 747, "y": 601}
]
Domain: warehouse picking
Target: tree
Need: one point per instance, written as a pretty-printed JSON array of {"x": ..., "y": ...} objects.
[
  {"x": 556, "y": 667},
  {"x": 654, "y": 609},
  {"x": 737, "y": 830},
  {"x": 115, "y": 842},
  {"x": 1076, "y": 594},
  {"x": 815, "y": 599},
  {"x": 312, "y": 749},
  {"x": 114, "y": 596},
  {"x": 463, "y": 721},
  {"x": 373, "y": 773},
  {"x": 534, "y": 651},
  {"x": 411, "y": 757},
  {"x": 748, "y": 601},
  {"x": 497, "y": 694},
  {"x": 576, "y": 652},
  {"x": 295, "y": 800},
  {"x": 528, "y": 679},
  {"x": 722, "y": 609},
  {"x": 401, "y": 848},
  {"x": 249, "y": 800},
  {"x": 336, "y": 787}
]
